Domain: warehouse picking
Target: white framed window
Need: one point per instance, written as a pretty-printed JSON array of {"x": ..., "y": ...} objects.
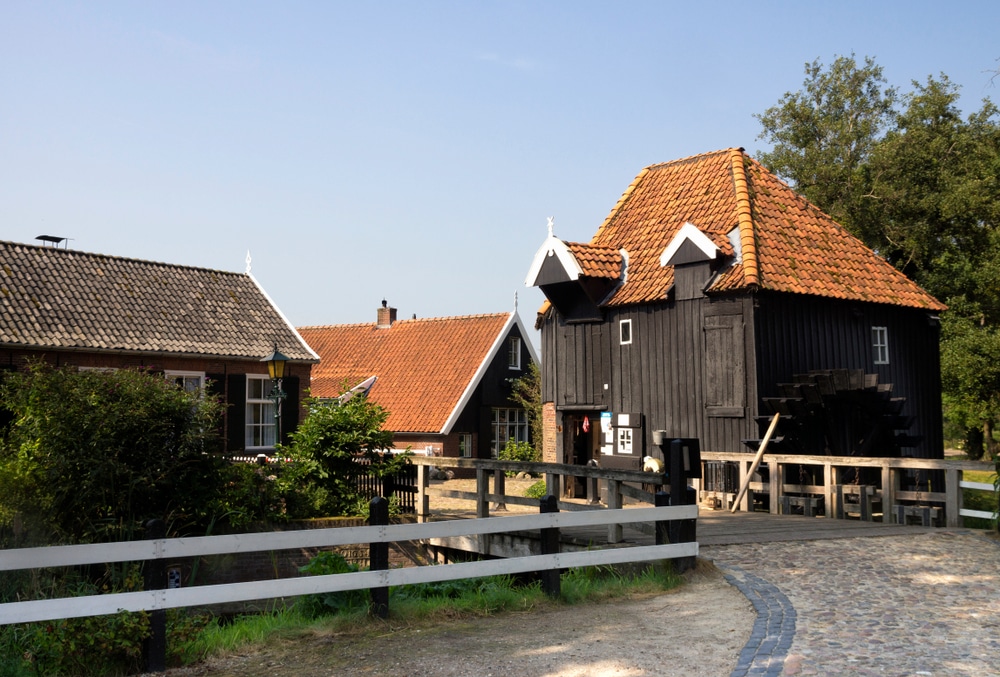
[
  {"x": 880, "y": 345},
  {"x": 625, "y": 332},
  {"x": 191, "y": 381},
  {"x": 509, "y": 425},
  {"x": 465, "y": 445},
  {"x": 514, "y": 352},
  {"x": 260, "y": 424}
]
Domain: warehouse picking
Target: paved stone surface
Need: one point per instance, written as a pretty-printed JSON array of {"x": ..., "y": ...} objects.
[{"x": 927, "y": 604}]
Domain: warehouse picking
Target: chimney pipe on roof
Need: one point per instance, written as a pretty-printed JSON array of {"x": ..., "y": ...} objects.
[{"x": 386, "y": 316}]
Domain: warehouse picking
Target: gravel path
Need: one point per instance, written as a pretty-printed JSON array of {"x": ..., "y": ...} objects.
[{"x": 926, "y": 604}]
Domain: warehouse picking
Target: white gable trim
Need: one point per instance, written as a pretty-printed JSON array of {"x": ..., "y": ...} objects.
[
  {"x": 498, "y": 344},
  {"x": 282, "y": 315},
  {"x": 553, "y": 246},
  {"x": 689, "y": 232}
]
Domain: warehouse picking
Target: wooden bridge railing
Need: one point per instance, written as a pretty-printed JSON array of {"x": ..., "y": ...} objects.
[
  {"x": 616, "y": 485},
  {"x": 889, "y": 491}
]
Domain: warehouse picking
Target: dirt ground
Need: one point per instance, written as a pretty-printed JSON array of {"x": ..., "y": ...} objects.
[{"x": 697, "y": 629}]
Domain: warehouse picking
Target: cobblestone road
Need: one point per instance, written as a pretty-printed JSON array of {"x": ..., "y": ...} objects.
[{"x": 926, "y": 604}]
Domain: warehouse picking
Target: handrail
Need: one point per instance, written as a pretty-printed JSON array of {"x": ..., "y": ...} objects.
[{"x": 889, "y": 491}]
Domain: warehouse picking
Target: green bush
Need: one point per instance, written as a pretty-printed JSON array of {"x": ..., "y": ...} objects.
[
  {"x": 518, "y": 451},
  {"x": 327, "y": 603},
  {"x": 91, "y": 456},
  {"x": 537, "y": 490}
]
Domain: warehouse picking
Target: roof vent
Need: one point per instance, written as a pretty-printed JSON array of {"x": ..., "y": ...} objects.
[{"x": 53, "y": 241}]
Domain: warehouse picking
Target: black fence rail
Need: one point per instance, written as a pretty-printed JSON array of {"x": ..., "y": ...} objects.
[{"x": 402, "y": 485}]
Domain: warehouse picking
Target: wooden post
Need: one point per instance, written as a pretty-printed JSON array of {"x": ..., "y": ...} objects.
[
  {"x": 482, "y": 491},
  {"x": 615, "y": 532},
  {"x": 550, "y": 546},
  {"x": 756, "y": 462},
  {"x": 888, "y": 493},
  {"x": 378, "y": 556},
  {"x": 953, "y": 497},
  {"x": 423, "y": 499},
  {"x": 828, "y": 489},
  {"x": 156, "y": 579},
  {"x": 499, "y": 488},
  {"x": 774, "y": 485},
  {"x": 662, "y": 527}
]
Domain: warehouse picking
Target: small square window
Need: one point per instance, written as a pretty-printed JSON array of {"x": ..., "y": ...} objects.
[
  {"x": 625, "y": 332},
  {"x": 880, "y": 345}
]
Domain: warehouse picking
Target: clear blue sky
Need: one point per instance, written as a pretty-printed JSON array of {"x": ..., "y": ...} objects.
[{"x": 405, "y": 150}]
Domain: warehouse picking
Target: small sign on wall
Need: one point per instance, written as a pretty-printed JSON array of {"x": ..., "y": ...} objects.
[{"x": 607, "y": 434}]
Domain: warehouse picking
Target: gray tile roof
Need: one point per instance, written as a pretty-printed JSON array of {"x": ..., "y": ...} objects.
[{"x": 59, "y": 298}]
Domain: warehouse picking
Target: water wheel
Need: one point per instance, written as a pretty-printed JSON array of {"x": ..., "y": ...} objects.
[{"x": 839, "y": 412}]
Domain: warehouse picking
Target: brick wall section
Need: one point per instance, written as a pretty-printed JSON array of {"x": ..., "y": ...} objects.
[{"x": 549, "y": 437}]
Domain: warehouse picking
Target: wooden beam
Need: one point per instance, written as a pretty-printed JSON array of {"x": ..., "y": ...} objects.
[{"x": 756, "y": 462}]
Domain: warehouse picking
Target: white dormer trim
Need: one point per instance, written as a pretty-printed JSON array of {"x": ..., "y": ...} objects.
[
  {"x": 553, "y": 246},
  {"x": 689, "y": 232}
]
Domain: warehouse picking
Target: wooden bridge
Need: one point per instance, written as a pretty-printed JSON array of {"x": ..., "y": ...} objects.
[{"x": 618, "y": 488}]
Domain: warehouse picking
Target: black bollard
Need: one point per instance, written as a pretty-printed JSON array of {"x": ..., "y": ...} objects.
[
  {"x": 155, "y": 578},
  {"x": 550, "y": 546}
]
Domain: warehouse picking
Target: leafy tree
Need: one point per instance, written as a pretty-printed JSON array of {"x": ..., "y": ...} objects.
[
  {"x": 918, "y": 184},
  {"x": 526, "y": 392},
  {"x": 327, "y": 446},
  {"x": 90, "y": 456},
  {"x": 824, "y": 135}
]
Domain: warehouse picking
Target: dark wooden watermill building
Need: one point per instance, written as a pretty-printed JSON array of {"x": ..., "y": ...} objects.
[{"x": 714, "y": 295}]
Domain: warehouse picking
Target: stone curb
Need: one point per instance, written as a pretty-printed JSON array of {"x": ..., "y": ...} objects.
[{"x": 773, "y": 631}]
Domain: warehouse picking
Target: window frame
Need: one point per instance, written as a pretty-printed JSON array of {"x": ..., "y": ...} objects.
[
  {"x": 625, "y": 327},
  {"x": 266, "y": 425},
  {"x": 465, "y": 448},
  {"x": 880, "y": 345},
  {"x": 174, "y": 374},
  {"x": 519, "y": 425},
  {"x": 514, "y": 352}
]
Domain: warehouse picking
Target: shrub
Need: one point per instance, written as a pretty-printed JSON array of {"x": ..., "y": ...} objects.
[
  {"x": 327, "y": 603},
  {"x": 536, "y": 490},
  {"x": 518, "y": 451}
]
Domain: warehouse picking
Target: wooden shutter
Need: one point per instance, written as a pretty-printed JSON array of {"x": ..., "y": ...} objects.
[
  {"x": 290, "y": 407},
  {"x": 725, "y": 372},
  {"x": 236, "y": 412}
]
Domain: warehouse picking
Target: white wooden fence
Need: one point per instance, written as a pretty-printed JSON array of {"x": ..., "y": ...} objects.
[{"x": 169, "y": 550}]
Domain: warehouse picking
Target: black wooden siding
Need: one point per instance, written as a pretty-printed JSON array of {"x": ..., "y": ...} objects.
[
  {"x": 800, "y": 334},
  {"x": 661, "y": 374}
]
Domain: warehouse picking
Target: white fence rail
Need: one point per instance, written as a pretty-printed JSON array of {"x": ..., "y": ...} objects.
[{"x": 173, "y": 549}]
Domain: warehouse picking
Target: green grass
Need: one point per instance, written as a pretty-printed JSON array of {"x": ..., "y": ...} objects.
[{"x": 442, "y": 602}]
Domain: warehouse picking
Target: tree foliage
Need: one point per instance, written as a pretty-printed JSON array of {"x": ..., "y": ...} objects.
[
  {"x": 920, "y": 185},
  {"x": 90, "y": 456},
  {"x": 327, "y": 446},
  {"x": 526, "y": 392}
]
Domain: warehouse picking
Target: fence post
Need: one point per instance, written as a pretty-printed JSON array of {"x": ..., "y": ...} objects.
[
  {"x": 615, "y": 531},
  {"x": 500, "y": 489},
  {"x": 378, "y": 555},
  {"x": 156, "y": 579},
  {"x": 482, "y": 492},
  {"x": 423, "y": 500},
  {"x": 660, "y": 500},
  {"x": 550, "y": 546}
]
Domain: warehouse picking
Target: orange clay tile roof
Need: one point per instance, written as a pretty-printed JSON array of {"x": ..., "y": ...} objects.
[
  {"x": 64, "y": 299},
  {"x": 597, "y": 261},
  {"x": 787, "y": 244},
  {"x": 423, "y": 366}
]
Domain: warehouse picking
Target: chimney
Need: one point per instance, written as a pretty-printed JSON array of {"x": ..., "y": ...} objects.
[{"x": 386, "y": 316}]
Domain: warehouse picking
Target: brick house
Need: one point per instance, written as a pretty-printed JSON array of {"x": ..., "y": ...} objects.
[
  {"x": 197, "y": 326},
  {"x": 444, "y": 381}
]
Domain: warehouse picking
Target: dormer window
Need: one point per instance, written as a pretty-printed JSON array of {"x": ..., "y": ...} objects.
[{"x": 514, "y": 352}]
